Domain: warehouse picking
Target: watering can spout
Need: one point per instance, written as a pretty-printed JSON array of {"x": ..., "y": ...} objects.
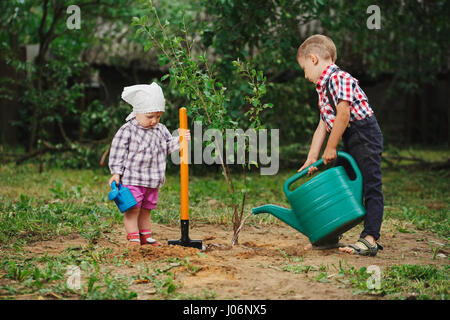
[{"x": 285, "y": 215}]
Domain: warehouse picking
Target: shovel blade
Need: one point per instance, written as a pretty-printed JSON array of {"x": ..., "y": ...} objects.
[{"x": 187, "y": 243}]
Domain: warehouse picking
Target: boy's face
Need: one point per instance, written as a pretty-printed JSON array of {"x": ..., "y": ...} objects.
[
  {"x": 148, "y": 120},
  {"x": 311, "y": 66}
]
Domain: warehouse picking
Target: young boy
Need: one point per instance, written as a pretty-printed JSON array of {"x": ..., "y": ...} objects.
[
  {"x": 345, "y": 113},
  {"x": 138, "y": 157}
]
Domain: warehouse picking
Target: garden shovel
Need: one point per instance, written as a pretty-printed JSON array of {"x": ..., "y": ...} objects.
[{"x": 184, "y": 175}]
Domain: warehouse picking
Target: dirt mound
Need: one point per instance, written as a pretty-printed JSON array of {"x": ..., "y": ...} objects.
[{"x": 157, "y": 253}]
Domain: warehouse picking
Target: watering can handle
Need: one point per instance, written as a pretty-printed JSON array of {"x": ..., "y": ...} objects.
[
  {"x": 115, "y": 186},
  {"x": 355, "y": 183},
  {"x": 114, "y": 191}
]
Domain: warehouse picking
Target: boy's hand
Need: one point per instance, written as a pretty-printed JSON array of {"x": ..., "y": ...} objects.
[
  {"x": 187, "y": 133},
  {"x": 116, "y": 178},
  {"x": 329, "y": 155},
  {"x": 307, "y": 163}
]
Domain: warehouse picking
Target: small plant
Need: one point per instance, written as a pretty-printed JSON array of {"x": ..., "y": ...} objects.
[
  {"x": 53, "y": 271},
  {"x": 165, "y": 286},
  {"x": 190, "y": 267},
  {"x": 91, "y": 233},
  {"x": 298, "y": 268},
  {"x": 110, "y": 288},
  {"x": 32, "y": 277},
  {"x": 58, "y": 191},
  {"x": 435, "y": 249},
  {"x": 18, "y": 272},
  {"x": 322, "y": 277},
  {"x": 284, "y": 254},
  {"x": 357, "y": 278}
]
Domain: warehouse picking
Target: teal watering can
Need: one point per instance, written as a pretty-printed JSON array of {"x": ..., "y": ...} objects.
[{"x": 324, "y": 207}]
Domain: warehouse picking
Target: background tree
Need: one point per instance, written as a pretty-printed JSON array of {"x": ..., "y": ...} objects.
[
  {"x": 52, "y": 92},
  {"x": 410, "y": 51},
  {"x": 409, "y": 54}
]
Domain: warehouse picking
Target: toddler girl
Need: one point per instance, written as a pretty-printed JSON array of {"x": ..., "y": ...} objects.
[{"x": 138, "y": 157}]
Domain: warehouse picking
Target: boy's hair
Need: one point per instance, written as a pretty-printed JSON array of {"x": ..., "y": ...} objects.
[{"x": 319, "y": 44}]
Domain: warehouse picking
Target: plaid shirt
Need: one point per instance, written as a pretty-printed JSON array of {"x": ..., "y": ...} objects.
[
  {"x": 342, "y": 87},
  {"x": 139, "y": 155}
]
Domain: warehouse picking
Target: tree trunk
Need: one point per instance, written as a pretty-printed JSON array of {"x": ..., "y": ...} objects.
[
  {"x": 34, "y": 117},
  {"x": 9, "y": 108}
]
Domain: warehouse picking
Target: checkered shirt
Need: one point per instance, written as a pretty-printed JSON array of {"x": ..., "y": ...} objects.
[
  {"x": 342, "y": 87},
  {"x": 139, "y": 155}
]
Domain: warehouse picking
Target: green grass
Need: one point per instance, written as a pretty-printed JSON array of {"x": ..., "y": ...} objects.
[
  {"x": 51, "y": 279},
  {"x": 57, "y": 202},
  {"x": 417, "y": 282},
  {"x": 31, "y": 219},
  {"x": 421, "y": 198},
  {"x": 405, "y": 281},
  {"x": 421, "y": 282}
]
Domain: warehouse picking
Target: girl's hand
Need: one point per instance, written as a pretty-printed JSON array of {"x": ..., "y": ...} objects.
[
  {"x": 187, "y": 133},
  {"x": 307, "y": 163},
  {"x": 116, "y": 178}
]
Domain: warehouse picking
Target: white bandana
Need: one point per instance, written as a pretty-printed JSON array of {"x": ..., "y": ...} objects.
[{"x": 144, "y": 98}]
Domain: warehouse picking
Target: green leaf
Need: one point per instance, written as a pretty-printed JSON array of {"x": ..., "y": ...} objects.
[
  {"x": 260, "y": 76},
  {"x": 135, "y": 21},
  {"x": 144, "y": 20},
  {"x": 163, "y": 60},
  {"x": 148, "y": 46}
]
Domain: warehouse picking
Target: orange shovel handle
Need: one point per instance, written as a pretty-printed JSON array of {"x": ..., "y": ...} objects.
[{"x": 184, "y": 170}]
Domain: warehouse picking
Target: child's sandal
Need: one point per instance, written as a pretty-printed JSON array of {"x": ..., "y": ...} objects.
[
  {"x": 369, "y": 250},
  {"x": 133, "y": 239},
  {"x": 146, "y": 239}
]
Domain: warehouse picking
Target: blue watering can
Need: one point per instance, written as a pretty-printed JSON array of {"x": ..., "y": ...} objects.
[{"x": 122, "y": 197}]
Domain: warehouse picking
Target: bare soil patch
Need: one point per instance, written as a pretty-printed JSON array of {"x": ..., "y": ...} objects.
[{"x": 253, "y": 269}]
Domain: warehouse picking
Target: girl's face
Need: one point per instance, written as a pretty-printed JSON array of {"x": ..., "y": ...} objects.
[{"x": 148, "y": 120}]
